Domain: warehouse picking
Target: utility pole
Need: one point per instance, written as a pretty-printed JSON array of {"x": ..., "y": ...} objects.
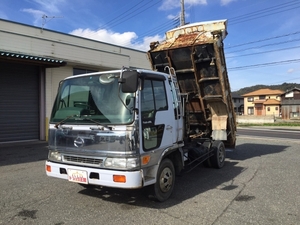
[{"x": 182, "y": 16}]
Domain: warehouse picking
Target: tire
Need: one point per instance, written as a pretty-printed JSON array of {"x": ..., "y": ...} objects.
[
  {"x": 218, "y": 159},
  {"x": 207, "y": 162},
  {"x": 165, "y": 180}
]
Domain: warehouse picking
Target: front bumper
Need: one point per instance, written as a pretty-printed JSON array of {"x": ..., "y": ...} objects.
[{"x": 95, "y": 176}]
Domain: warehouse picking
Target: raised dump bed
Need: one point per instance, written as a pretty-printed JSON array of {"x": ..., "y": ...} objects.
[{"x": 195, "y": 51}]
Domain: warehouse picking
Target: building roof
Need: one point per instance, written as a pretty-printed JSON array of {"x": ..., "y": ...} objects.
[
  {"x": 291, "y": 90},
  {"x": 45, "y": 61},
  {"x": 271, "y": 102},
  {"x": 234, "y": 95},
  {"x": 261, "y": 101},
  {"x": 264, "y": 91}
]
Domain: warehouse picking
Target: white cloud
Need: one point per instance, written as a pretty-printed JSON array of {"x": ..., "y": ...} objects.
[
  {"x": 172, "y": 17},
  {"x": 226, "y": 2},
  {"x": 50, "y": 6},
  {"x": 3, "y": 15},
  {"x": 144, "y": 45},
  {"x": 126, "y": 39},
  {"x": 105, "y": 35},
  {"x": 37, "y": 14},
  {"x": 171, "y": 4}
]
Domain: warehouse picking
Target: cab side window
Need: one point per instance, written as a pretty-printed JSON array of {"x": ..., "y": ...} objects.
[{"x": 153, "y": 99}]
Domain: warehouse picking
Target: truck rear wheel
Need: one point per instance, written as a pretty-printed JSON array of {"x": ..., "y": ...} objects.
[
  {"x": 164, "y": 185},
  {"x": 218, "y": 159}
]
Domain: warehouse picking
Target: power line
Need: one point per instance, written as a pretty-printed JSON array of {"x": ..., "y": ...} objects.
[
  {"x": 257, "y": 14},
  {"x": 120, "y": 17},
  {"x": 165, "y": 26},
  {"x": 259, "y": 53},
  {"x": 262, "y": 40},
  {"x": 264, "y": 64},
  {"x": 264, "y": 10},
  {"x": 254, "y": 47},
  {"x": 131, "y": 15},
  {"x": 174, "y": 22}
]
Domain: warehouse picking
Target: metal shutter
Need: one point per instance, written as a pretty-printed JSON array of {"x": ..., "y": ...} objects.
[{"x": 19, "y": 102}]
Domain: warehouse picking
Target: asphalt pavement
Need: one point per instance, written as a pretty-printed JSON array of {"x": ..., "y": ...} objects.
[{"x": 259, "y": 184}]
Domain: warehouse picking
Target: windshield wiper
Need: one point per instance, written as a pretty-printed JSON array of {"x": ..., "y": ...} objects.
[
  {"x": 96, "y": 122},
  {"x": 61, "y": 122},
  {"x": 82, "y": 118}
]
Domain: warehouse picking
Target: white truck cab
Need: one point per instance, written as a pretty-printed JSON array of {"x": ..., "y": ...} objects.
[{"x": 102, "y": 135}]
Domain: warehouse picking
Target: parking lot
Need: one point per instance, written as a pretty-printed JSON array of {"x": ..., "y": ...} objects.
[{"x": 258, "y": 185}]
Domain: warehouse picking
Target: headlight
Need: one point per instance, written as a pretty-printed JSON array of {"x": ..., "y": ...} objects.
[
  {"x": 121, "y": 163},
  {"x": 54, "y": 155}
]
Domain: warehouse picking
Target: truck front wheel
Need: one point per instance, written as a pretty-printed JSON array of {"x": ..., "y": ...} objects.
[{"x": 165, "y": 180}]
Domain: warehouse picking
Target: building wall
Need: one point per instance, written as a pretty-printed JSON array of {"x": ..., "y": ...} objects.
[
  {"x": 290, "y": 108},
  {"x": 264, "y": 111},
  {"x": 290, "y": 112},
  {"x": 272, "y": 110},
  {"x": 248, "y": 104},
  {"x": 77, "y": 52},
  {"x": 238, "y": 103}
]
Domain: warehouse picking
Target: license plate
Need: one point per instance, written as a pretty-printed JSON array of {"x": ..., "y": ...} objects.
[{"x": 78, "y": 176}]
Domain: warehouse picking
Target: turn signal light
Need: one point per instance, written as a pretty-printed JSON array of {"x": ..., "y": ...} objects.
[
  {"x": 48, "y": 168},
  {"x": 145, "y": 159},
  {"x": 119, "y": 178}
]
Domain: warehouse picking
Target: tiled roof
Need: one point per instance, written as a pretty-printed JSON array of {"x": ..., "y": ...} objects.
[
  {"x": 265, "y": 91},
  {"x": 272, "y": 102},
  {"x": 259, "y": 101},
  {"x": 31, "y": 58},
  {"x": 234, "y": 95},
  {"x": 291, "y": 90}
]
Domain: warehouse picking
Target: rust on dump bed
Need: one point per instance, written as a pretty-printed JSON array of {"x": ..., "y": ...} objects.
[{"x": 195, "y": 51}]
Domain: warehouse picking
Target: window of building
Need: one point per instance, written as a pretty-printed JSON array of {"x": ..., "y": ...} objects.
[
  {"x": 294, "y": 114},
  {"x": 276, "y": 108},
  {"x": 262, "y": 97},
  {"x": 250, "y": 99},
  {"x": 250, "y": 110},
  {"x": 268, "y": 108},
  {"x": 77, "y": 71}
]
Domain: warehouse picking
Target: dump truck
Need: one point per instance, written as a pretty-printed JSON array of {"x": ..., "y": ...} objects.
[{"x": 134, "y": 128}]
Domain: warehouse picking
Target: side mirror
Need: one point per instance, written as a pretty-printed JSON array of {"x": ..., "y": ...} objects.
[{"x": 129, "y": 81}]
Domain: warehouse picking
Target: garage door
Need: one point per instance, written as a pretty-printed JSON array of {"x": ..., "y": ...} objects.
[{"x": 19, "y": 102}]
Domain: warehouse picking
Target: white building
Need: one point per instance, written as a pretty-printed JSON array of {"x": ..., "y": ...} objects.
[{"x": 33, "y": 61}]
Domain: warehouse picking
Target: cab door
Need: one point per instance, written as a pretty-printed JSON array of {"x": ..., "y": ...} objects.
[{"x": 159, "y": 127}]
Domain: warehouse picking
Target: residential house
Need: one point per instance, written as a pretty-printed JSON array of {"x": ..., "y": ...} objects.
[
  {"x": 290, "y": 104},
  {"x": 238, "y": 103},
  {"x": 263, "y": 102}
]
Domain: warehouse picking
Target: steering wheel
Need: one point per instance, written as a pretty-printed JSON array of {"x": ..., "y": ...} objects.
[{"x": 80, "y": 104}]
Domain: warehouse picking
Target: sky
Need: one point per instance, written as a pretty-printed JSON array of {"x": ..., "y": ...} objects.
[{"x": 262, "y": 45}]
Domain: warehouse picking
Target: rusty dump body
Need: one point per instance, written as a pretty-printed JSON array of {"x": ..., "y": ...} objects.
[{"x": 195, "y": 51}]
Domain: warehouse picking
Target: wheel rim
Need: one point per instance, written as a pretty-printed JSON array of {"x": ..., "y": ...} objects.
[
  {"x": 221, "y": 155},
  {"x": 166, "y": 179}
]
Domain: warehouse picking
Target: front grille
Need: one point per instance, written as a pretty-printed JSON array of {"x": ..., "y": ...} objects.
[{"x": 83, "y": 160}]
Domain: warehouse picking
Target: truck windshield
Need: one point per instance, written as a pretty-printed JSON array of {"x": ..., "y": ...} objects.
[{"x": 93, "y": 98}]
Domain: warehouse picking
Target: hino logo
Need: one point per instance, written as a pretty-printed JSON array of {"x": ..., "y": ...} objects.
[{"x": 78, "y": 142}]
